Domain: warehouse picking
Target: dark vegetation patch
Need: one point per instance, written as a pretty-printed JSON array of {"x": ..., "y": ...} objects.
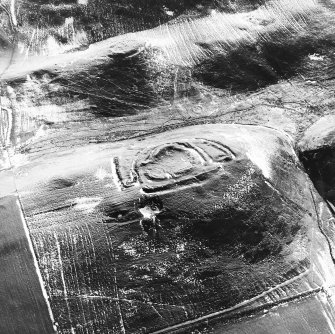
[
  {"x": 255, "y": 235},
  {"x": 117, "y": 87},
  {"x": 255, "y": 230},
  {"x": 281, "y": 55},
  {"x": 61, "y": 183},
  {"x": 320, "y": 166}
]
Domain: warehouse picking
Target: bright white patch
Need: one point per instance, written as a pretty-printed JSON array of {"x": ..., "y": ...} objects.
[
  {"x": 261, "y": 160},
  {"x": 21, "y": 47},
  {"x": 11, "y": 92},
  {"x": 4, "y": 160},
  {"x": 82, "y": 2},
  {"x": 316, "y": 56},
  {"x": 68, "y": 21},
  {"x": 12, "y": 12},
  {"x": 262, "y": 157},
  {"x": 87, "y": 204},
  {"x": 180, "y": 247},
  {"x": 41, "y": 132},
  {"x": 259, "y": 157},
  {"x": 214, "y": 12},
  {"x": 129, "y": 249},
  {"x": 18, "y": 160},
  {"x": 52, "y": 45},
  {"x": 101, "y": 174},
  {"x": 147, "y": 212},
  {"x": 168, "y": 12}
]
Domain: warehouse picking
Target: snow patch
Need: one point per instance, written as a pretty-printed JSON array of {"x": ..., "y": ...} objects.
[{"x": 101, "y": 174}]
